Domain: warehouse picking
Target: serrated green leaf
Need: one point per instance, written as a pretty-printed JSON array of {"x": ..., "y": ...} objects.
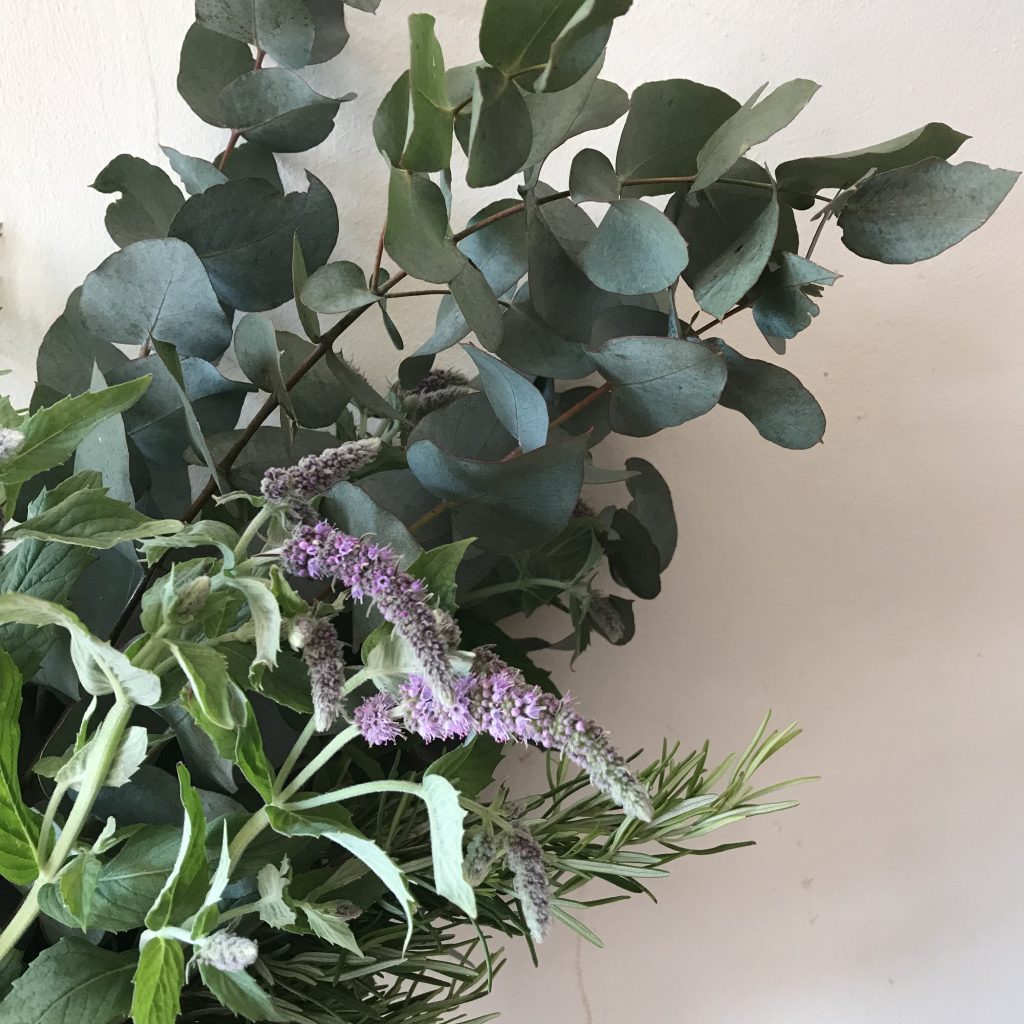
[
  {"x": 157, "y": 984},
  {"x": 148, "y": 202},
  {"x": 185, "y": 886},
  {"x": 417, "y": 237},
  {"x": 202, "y": 534},
  {"x": 78, "y": 886},
  {"x": 156, "y": 289},
  {"x": 772, "y": 398},
  {"x": 667, "y": 126},
  {"x": 446, "y": 833},
  {"x": 437, "y": 568},
  {"x": 273, "y": 908},
  {"x": 800, "y": 179},
  {"x": 659, "y": 382},
  {"x": 516, "y": 402},
  {"x": 331, "y": 928},
  {"x": 243, "y": 232},
  {"x": 209, "y": 62},
  {"x": 207, "y": 670},
  {"x": 914, "y": 213},
  {"x": 53, "y": 433},
  {"x": 636, "y": 250},
  {"x": 266, "y": 616},
  {"x": 278, "y": 109},
  {"x": 755, "y": 122},
  {"x": 98, "y": 664},
  {"x": 88, "y": 518},
  {"x": 72, "y": 980},
  {"x": 19, "y": 827},
  {"x": 240, "y": 993}
]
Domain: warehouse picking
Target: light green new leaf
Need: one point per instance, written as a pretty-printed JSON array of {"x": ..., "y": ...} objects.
[
  {"x": 157, "y": 983},
  {"x": 19, "y": 827},
  {"x": 914, "y": 213},
  {"x": 781, "y": 408},
  {"x": 500, "y": 132},
  {"x": 255, "y": 345},
  {"x": 266, "y": 616},
  {"x": 148, "y": 202},
  {"x": 516, "y": 402},
  {"x": 183, "y": 891},
  {"x": 53, "y": 433},
  {"x": 206, "y": 533},
  {"x": 659, "y": 382},
  {"x": 667, "y": 126},
  {"x": 337, "y": 288},
  {"x": 636, "y": 250},
  {"x": 239, "y": 992},
  {"x": 418, "y": 238},
  {"x": 156, "y": 288},
  {"x": 755, "y": 122},
  {"x": 78, "y": 886},
  {"x": 99, "y": 665},
  {"x": 437, "y": 568},
  {"x": 800, "y": 179},
  {"x": 273, "y": 908},
  {"x": 197, "y": 175},
  {"x": 207, "y": 670},
  {"x": 330, "y": 927},
  {"x": 446, "y": 816},
  {"x": 592, "y": 178},
  {"x": 276, "y": 108},
  {"x": 282, "y": 28},
  {"x": 168, "y": 355},
  {"x": 89, "y": 519},
  {"x": 72, "y": 981}
]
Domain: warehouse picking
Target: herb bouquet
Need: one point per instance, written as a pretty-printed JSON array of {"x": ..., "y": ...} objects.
[{"x": 255, "y": 677}]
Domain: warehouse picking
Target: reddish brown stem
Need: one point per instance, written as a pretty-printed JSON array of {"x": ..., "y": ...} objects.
[{"x": 235, "y": 134}]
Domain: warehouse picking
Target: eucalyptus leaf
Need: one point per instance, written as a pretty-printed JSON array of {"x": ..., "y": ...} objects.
[
  {"x": 800, "y": 179},
  {"x": 352, "y": 509},
  {"x": 197, "y": 174},
  {"x": 772, "y": 398},
  {"x": 755, "y": 122},
  {"x": 282, "y": 28},
  {"x": 592, "y": 178},
  {"x": 209, "y": 62},
  {"x": 330, "y": 34},
  {"x": 651, "y": 505},
  {"x": 658, "y": 382},
  {"x": 478, "y": 305},
  {"x": 516, "y": 402},
  {"x": 243, "y": 232},
  {"x": 500, "y": 134},
  {"x": 278, "y": 109},
  {"x": 148, "y": 202},
  {"x": 337, "y": 288},
  {"x": 783, "y": 306},
  {"x": 255, "y": 347},
  {"x": 156, "y": 289},
  {"x": 914, "y": 213},
  {"x": 418, "y": 238}
]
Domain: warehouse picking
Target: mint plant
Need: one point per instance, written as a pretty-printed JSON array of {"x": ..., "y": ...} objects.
[{"x": 255, "y": 680}]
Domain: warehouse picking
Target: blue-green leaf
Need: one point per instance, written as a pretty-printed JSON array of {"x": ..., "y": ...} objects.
[{"x": 516, "y": 402}]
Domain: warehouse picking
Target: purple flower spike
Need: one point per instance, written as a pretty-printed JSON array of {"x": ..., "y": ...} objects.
[
  {"x": 370, "y": 572},
  {"x": 324, "y": 656},
  {"x": 375, "y": 720},
  {"x": 295, "y": 487}
]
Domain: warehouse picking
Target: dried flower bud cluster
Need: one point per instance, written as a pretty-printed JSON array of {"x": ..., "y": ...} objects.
[
  {"x": 227, "y": 951},
  {"x": 10, "y": 441},
  {"x": 370, "y": 572},
  {"x": 324, "y": 656},
  {"x": 295, "y": 487},
  {"x": 525, "y": 859},
  {"x": 495, "y": 699}
]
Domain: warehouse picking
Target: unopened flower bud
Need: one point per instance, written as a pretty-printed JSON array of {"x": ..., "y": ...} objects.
[
  {"x": 480, "y": 856},
  {"x": 10, "y": 441},
  {"x": 228, "y": 952},
  {"x": 525, "y": 859},
  {"x": 190, "y": 600}
]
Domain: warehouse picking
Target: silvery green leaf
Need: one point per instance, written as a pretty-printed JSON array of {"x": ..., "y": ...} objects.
[
  {"x": 148, "y": 202},
  {"x": 19, "y": 827},
  {"x": 197, "y": 175},
  {"x": 266, "y": 616},
  {"x": 330, "y": 927},
  {"x": 273, "y": 908}
]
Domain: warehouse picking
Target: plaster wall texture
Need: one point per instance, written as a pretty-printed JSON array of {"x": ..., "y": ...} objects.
[{"x": 870, "y": 588}]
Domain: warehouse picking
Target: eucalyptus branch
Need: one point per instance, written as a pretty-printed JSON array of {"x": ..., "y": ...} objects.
[{"x": 235, "y": 133}]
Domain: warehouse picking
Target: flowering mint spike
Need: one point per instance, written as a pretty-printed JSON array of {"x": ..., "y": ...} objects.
[
  {"x": 10, "y": 441},
  {"x": 375, "y": 720},
  {"x": 496, "y": 700},
  {"x": 324, "y": 655},
  {"x": 370, "y": 571},
  {"x": 228, "y": 952},
  {"x": 295, "y": 487},
  {"x": 525, "y": 859}
]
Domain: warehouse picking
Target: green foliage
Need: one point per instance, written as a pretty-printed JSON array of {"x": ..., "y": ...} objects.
[{"x": 145, "y": 616}]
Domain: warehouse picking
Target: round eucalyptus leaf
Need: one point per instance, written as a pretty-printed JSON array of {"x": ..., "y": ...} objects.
[
  {"x": 243, "y": 231},
  {"x": 633, "y": 558},
  {"x": 196, "y": 174},
  {"x": 592, "y": 178},
  {"x": 284, "y": 29},
  {"x": 209, "y": 62},
  {"x": 652, "y": 506},
  {"x": 500, "y": 134},
  {"x": 157, "y": 288},
  {"x": 330, "y": 35},
  {"x": 149, "y": 199},
  {"x": 516, "y": 402},
  {"x": 417, "y": 236},
  {"x": 353, "y": 510},
  {"x": 337, "y": 288},
  {"x": 532, "y": 346},
  {"x": 251, "y": 160}
]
